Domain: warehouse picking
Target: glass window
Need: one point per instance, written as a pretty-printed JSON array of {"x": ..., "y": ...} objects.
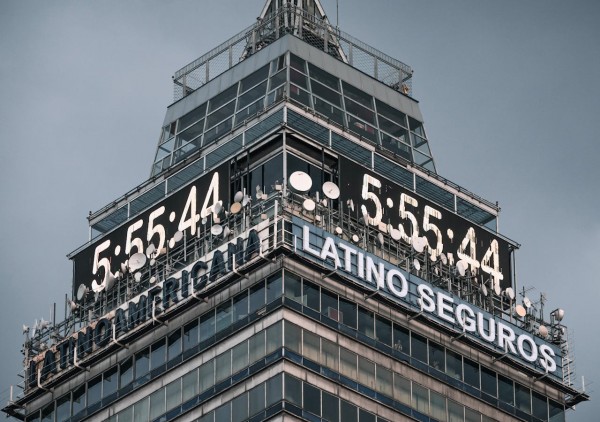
[
  {"x": 384, "y": 381},
  {"x": 420, "y": 398},
  {"x": 438, "y": 406},
  {"x": 472, "y": 415},
  {"x": 329, "y": 111},
  {"x": 174, "y": 341},
  {"x": 454, "y": 364},
  {"x": 311, "y": 295},
  {"x": 391, "y": 113},
  {"x": 471, "y": 373},
  {"x": 311, "y": 347},
  {"x": 173, "y": 393},
  {"x": 293, "y": 287},
  {"x": 274, "y": 287},
  {"x": 557, "y": 411},
  {"x": 298, "y": 78},
  {"x": 293, "y": 337},
  {"x": 223, "y": 318},
  {"x": 94, "y": 393},
  {"x": 48, "y": 413},
  {"x": 366, "y": 372},
  {"x": 312, "y": 399},
  {"x": 331, "y": 407},
  {"x": 252, "y": 95},
  {"x": 126, "y": 414},
  {"x": 257, "y": 297},
  {"x": 78, "y": 400},
  {"x": 191, "y": 133},
  {"x": 329, "y": 354},
  {"x": 256, "y": 398},
  {"x": 193, "y": 116},
  {"x": 401, "y": 339},
  {"x": 349, "y": 412},
  {"x": 366, "y": 322},
  {"x": 488, "y": 382},
  {"x": 299, "y": 95},
  {"x": 362, "y": 129},
  {"x": 190, "y": 335},
  {"x": 220, "y": 115},
  {"x": 217, "y": 131},
  {"x": 416, "y": 126},
  {"x": 323, "y": 77},
  {"x": 274, "y": 392},
  {"x": 63, "y": 407},
  {"x": 297, "y": 63},
  {"x": 223, "y": 366},
  {"x": 157, "y": 403},
  {"x": 189, "y": 385},
  {"x": 256, "y": 347},
  {"x": 523, "y": 398},
  {"x": 223, "y": 98},
  {"x": 402, "y": 389},
  {"x": 506, "y": 391},
  {"x": 383, "y": 330},
  {"x": 158, "y": 354},
  {"x": 110, "y": 382},
  {"x": 207, "y": 325},
  {"x": 325, "y": 93},
  {"x": 418, "y": 347},
  {"x": 357, "y": 95},
  {"x": 278, "y": 79},
  {"x": 539, "y": 405},
  {"x": 456, "y": 412},
  {"x": 240, "y": 306},
  {"x": 207, "y": 375},
  {"x": 348, "y": 363},
  {"x": 329, "y": 305},
  {"x": 126, "y": 372},
  {"x": 239, "y": 408},
  {"x": 254, "y": 78},
  {"x": 239, "y": 357},
  {"x": 359, "y": 111},
  {"x": 293, "y": 390},
  {"x": 436, "y": 356},
  {"x": 364, "y": 416},
  {"x": 223, "y": 413},
  {"x": 347, "y": 313}
]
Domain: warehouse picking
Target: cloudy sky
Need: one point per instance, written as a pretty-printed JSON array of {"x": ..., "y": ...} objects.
[{"x": 510, "y": 92}]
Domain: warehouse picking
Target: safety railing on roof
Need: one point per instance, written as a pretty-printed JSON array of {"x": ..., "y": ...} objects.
[{"x": 315, "y": 31}]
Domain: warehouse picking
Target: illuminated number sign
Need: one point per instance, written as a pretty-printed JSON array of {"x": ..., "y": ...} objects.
[
  {"x": 427, "y": 226},
  {"x": 181, "y": 212}
]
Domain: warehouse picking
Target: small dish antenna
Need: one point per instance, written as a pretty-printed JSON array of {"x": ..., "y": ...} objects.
[
  {"x": 300, "y": 181},
  {"x": 419, "y": 244},
  {"x": 443, "y": 258},
  {"x": 509, "y": 293},
  {"x": 527, "y": 302},
  {"x": 137, "y": 261},
  {"x": 150, "y": 250},
  {"x": 331, "y": 190},
  {"x": 238, "y": 197},
  {"x": 218, "y": 207},
  {"x": 461, "y": 267},
  {"x": 520, "y": 311},
  {"x": 137, "y": 276},
  {"x": 396, "y": 235},
  {"x": 82, "y": 290},
  {"x": 484, "y": 290},
  {"x": 236, "y": 207},
  {"x": 417, "y": 264},
  {"x": 543, "y": 331},
  {"x": 216, "y": 230},
  {"x": 380, "y": 238},
  {"x": 309, "y": 205},
  {"x": 338, "y": 231},
  {"x": 178, "y": 236},
  {"x": 245, "y": 200},
  {"x": 355, "y": 238}
]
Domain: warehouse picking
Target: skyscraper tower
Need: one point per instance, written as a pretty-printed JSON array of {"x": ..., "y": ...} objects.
[{"x": 294, "y": 255}]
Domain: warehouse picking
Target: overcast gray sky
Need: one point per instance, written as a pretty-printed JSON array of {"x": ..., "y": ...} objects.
[{"x": 510, "y": 92}]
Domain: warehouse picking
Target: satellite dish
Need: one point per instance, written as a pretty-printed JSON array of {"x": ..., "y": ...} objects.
[
  {"x": 331, "y": 190},
  {"x": 527, "y": 302},
  {"x": 238, "y": 197},
  {"x": 484, "y": 290},
  {"x": 235, "y": 207},
  {"x": 109, "y": 281},
  {"x": 150, "y": 250},
  {"x": 380, "y": 238},
  {"x": 300, "y": 181},
  {"x": 246, "y": 200},
  {"x": 82, "y": 290},
  {"x": 417, "y": 264},
  {"x": 73, "y": 305},
  {"x": 178, "y": 236},
  {"x": 355, "y": 238},
  {"x": 153, "y": 279},
  {"x": 152, "y": 262},
  {"x": 443, "y": 258},
  {"x": 559, "y": 314},
  {"x": 520, "y": 311},
  {"x": 461, "y": 267},
  {"x": 218, "y": 207},
  {"x": 216, "y": 230},
  {"x": 137, "y": 276},
  {"x": 543, "y": 331},
  {"x": 226, "y": 231},
  {"x": 419, "y": 244},
  {"x": 338, "y": 231},
  {"x": 390, "y": 203},
  {"x": 396, "y": 235},
  {"x": 509, "y": 293},
  {"x": 309, "y": 205},
  {"x": 137, "y": 261}
]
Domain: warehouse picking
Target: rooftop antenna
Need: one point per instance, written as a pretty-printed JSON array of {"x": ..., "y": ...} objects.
[{"x": 337, "y": 13}]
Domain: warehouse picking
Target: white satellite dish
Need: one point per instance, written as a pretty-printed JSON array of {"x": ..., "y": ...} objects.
[
  {"x": 236, "y": 207},
  {"x": 338, "y": 231},
  {"x": 396, "y": 235},
  {"x": 380, "y": 238},
  {"x": 82, "y": 290},
  {"x": 309, "y": 205},
  {"x": 484, "y": 290},
  {"x": 355, "y": 238},
  {"x": 218, "y": 207},
  {"x": 527, "y": 302},
  {"x": 137, "y": 276},
  {"x": 559, "y": 314},
  {"x": 109, "y": 281},
  {"x": 390, "y": 203},
  {"x": 331, "y": 190},
  {"x": 246, "y": 200},
  {"x": 152, "y": 262},
  {"x": 461, "y": 267},
  {"x": 443, "y": 258},
  {"x": 417, "y": 264},
  {"x": 226, "y": 231},
  {"x": 178, "y": 236},
  {"x": 520, "y": 311},
  {"x": 509, "y": 293},
  {"x": 150, "y": 250},
  {"x": 153, "y": 279},
  {"x": 543, "y": 331},
  {"x": 216, "y": 230},
  {"x": 137, "y": 261},
  {"x": 300, "y": 181},
  {"x": 239, "y": 196},
  {"x": 419, "y": 244}
]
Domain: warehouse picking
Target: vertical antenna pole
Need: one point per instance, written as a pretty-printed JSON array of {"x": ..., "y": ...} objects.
[{"x": 337, "y": 13}]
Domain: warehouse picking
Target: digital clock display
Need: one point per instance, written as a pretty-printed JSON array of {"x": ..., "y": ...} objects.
[
  {"x": 162, "y": 226},
  {"x": 441, "y": 234}
]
